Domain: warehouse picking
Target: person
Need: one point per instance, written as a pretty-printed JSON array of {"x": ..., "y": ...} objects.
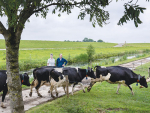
[
  {"x": 61, "y": 62},
  {"x": 51, "y": 61}
]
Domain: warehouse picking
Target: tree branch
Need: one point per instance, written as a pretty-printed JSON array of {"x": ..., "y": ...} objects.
[
  {"x": 40, "y": 9},
  {"x": 2, "y": 28}
]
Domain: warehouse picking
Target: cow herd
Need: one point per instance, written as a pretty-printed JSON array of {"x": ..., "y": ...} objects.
[{"x": 56, "y": 77}]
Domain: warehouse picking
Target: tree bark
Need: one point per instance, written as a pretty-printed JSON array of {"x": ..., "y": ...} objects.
[{"x": 12, "y": 41}]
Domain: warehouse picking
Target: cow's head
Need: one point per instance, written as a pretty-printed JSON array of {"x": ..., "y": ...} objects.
[
  {"x": 147, "y": 80},
  {"x": 97, "y": 67},
  {"x": 143, "y": 81},
  {"x": 25, "y": 79},
  {"x": 56, "y": 75},
  {"x": 90, "y": 73}
]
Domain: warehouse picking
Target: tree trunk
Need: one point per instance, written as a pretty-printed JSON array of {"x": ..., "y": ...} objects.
[{"x": 12, "y": 41}]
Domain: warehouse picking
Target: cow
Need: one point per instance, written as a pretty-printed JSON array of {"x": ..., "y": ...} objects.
[
  {"x": 117, "y": 75},
  {"x": 42, "y": 76},
  {"x": 55, "y": 85},
  {"x": 3, "y": 84},
  {"x": 75, "y": 76}
]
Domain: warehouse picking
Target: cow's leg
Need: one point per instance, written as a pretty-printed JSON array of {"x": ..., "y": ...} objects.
[
  {"x": 64, "y": 89},
  {"x": 73, "y": 88},
  {"x": 56, "y": 91},
  {"x": 131, "y": 89},
  {"x": 51, "y": 90},
  {"x": 3, "y": 97},
  {"x": 37, "y": 88},
  {"x": 82, "y": 86},
  {"x": 31, "y": 86},
  {"x": 118, "y": 88}
]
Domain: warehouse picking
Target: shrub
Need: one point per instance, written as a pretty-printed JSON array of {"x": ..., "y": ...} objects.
[{"x": 90, "y": 53}]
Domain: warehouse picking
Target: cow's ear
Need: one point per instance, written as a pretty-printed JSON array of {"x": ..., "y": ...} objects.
[{"x": 143, "y": 77}]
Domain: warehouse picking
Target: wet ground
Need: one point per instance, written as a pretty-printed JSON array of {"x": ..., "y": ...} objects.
[{"x": 33, "y": 101}]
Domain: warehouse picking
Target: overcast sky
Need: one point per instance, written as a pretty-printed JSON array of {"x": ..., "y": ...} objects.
[{"x": 68, "y": 27}]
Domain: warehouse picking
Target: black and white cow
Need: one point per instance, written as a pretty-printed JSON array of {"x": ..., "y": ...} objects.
[
  {"x": 3, "y": 85},
  {"x": 117, "y": 75},
  {"x": 75, "y": 76},
  {"x": 42, "y": 76}
]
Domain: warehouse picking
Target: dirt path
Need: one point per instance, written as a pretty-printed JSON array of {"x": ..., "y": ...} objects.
[
  {"x": 30, "y": 102},
  {"x": 134, "y": 64},
  {"x": 119, "y": 45},
  {"x": 33, "y": 101}
]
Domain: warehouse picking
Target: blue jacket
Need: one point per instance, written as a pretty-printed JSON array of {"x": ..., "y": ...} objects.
[{"x": 61, "y": 62}]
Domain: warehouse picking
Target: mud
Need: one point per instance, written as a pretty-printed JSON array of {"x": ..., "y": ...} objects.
[{"x": 33, "y": 101}]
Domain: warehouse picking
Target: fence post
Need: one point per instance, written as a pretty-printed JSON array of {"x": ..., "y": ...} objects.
[{"x": 67, "y": 89}]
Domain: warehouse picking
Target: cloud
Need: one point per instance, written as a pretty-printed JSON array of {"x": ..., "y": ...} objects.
[{"x": 68, "y": 27}]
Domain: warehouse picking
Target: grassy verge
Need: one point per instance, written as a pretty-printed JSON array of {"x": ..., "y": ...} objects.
[{"x": 102, "y": 98}]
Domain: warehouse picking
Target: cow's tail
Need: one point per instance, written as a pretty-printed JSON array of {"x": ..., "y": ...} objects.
[{"x": 34, "y": 74}]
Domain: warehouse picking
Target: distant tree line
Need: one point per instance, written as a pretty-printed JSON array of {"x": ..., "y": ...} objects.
[{"x": 85, "y": 40}]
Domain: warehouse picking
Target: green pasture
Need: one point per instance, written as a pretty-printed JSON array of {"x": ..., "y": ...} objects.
[
  {"x": 34, "y": 54},
  {"x": 36, "y": 58},
  {"x": 102, "y": 99},
  {"x": 139, "y": 44},
  {"x": 26, "y": 44}
]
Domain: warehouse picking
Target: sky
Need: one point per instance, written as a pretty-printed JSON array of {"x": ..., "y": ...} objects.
[{"x": 68, "y": 27}]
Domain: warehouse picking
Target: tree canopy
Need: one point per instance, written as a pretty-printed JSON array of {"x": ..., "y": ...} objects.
[
  {"x": 87, "y": 40},
  {"x": 19, "y": 11},
  {"x": 100, "y": 40}
]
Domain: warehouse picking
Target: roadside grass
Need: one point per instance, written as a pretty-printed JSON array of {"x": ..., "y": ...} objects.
[{"x": 102, "y": 99}]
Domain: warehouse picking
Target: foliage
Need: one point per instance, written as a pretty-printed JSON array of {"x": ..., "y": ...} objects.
[
  {"x": 100, "y": 40},
  {"x": 20, "y": 11},
  {"x": 131, "y": 12},
  {"x": 87, "y": 40},
  {"x": 90, "y": 53},
  {"x": 124, "y": 57}
]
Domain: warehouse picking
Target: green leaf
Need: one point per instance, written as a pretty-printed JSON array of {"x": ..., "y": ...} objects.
[{"x": 59, "y": 15}]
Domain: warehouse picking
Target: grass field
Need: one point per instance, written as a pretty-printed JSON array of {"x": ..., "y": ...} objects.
[
  {"x": 102, "y": 99},
  {"x": 56, "y": 44},
  {"x": 74, "y": 52}
]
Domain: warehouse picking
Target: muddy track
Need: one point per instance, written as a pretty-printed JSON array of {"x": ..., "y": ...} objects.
[{"x": 33, "y": 101}]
